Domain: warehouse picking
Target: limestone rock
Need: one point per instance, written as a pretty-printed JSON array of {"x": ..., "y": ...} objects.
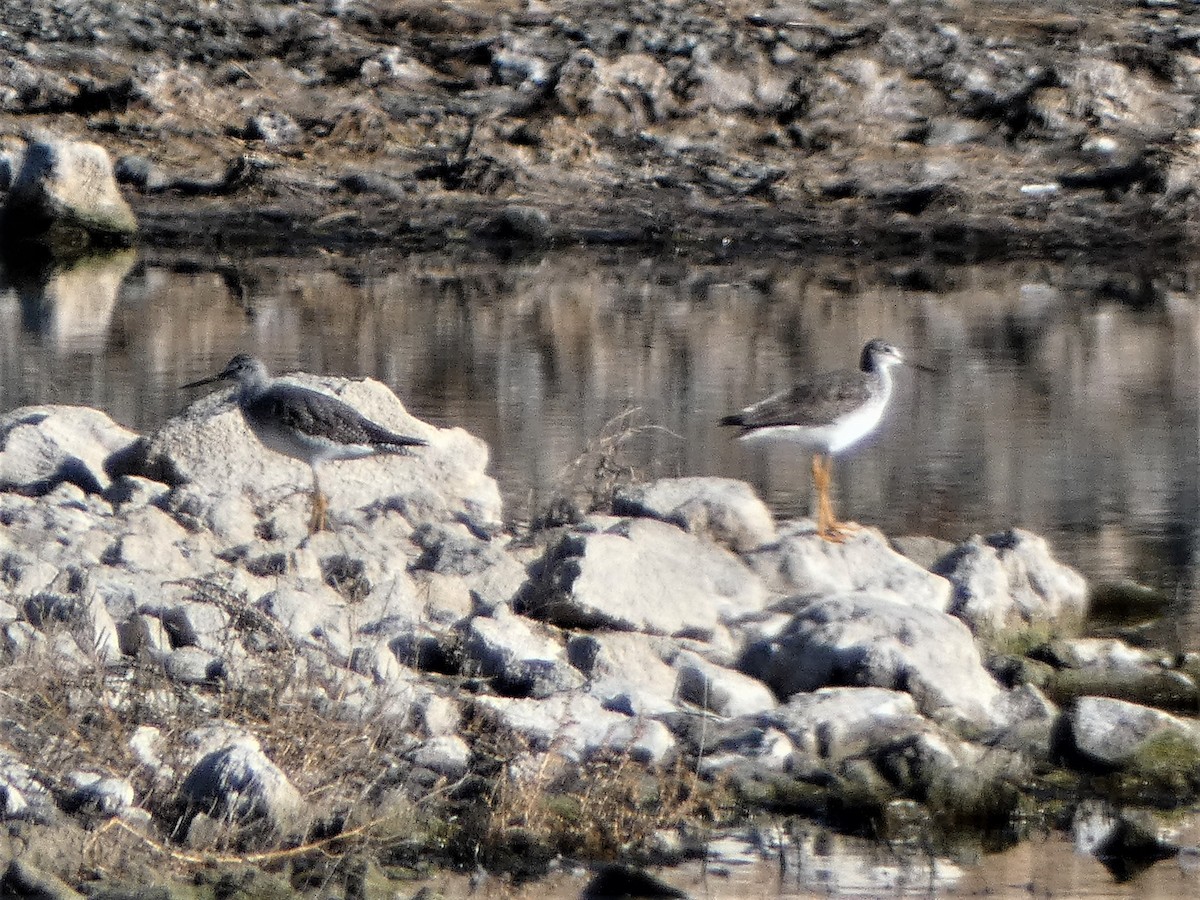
[
  {"x": 641, "y": 575},
  {"x": 1010, "y": 579},
  {"x": 831, "y": 724},
  {"x": 210, "y": 447},
  {"x": 65, "y": 194},
  {"x": 520, "y": 662},
  {"x": 44, "y": 446},
  {"x": 720, "y": 690},
  {"x": 722, "y": 509},
  {"x": 802, "y": 563},
  {"x": 866, "y": 639},
  {"x": 577, "y": 727},
  {"x": 1110, "y": 732},
  {"x": 239, "y": 783}
]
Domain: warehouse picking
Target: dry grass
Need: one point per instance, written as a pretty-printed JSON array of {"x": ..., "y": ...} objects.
[
  {"x": 607, "y": 807},
  {"x": 589, "y": 482},
  {"x": 363, "y": 798}
]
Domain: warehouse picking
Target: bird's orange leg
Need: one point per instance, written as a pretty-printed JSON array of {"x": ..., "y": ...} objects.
[
  {"x": 320, "y": 506},
  {"x": 828, "y": 527}
]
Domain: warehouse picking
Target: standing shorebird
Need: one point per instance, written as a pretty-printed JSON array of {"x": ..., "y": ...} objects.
[
  {"x": 305, "y": 424},
  {"x": 826, "y": 415}
]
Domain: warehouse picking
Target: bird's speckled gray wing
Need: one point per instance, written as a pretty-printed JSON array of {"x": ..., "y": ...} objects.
[
  {"x": 820, "y": 401},
  {"x": 323, "y": 416}
]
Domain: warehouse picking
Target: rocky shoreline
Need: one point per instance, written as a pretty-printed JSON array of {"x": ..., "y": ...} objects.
[
  {"x": 947, "y": 129},
  {"x": 193, "y": 679}
]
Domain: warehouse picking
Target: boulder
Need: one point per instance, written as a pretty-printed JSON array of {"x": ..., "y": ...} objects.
[
  {"x": 1009, "y": 580},
  {"x": 492, "y": 574},
  {"x": 42, "y": 447},
  {"x": 627, "y": 671},
  {"x": 446, "y": 755},
  {"x": 520, "y": 661},
  {"x": 98, "y": 795},
  {"x": 832, "y": 724},
  {"x": 800, "y": 562},
  {"x": 577, "y": 727},
  {"x": 210, "y": 447},
  {"x": 22, "y": 792},
  {"x": 868, "y": 639},
  {"x": 722, "y": 509},
  {"x": 1110, "y": 733},
  {"x": 66, "y": 196},
  {"x": 237, "y": 782},
  {"x": 641, "y": 575},
  {"x": 725, "y": 692}
]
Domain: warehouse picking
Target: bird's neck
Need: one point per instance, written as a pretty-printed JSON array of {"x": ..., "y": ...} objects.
[{"x": 251, "y": 386}]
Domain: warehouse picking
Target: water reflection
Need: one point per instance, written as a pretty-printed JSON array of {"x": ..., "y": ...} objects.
[{"x": 1066, "y": 401}]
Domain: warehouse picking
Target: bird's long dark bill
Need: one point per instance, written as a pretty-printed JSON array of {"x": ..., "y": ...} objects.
[
  {"x": 209, "y": 380},
  {"x": 921, "y": 367}
]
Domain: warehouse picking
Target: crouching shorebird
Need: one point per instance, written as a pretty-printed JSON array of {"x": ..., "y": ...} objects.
[
  {"x": 826, "y": 415},
  {"x": 305, "y": 424}
]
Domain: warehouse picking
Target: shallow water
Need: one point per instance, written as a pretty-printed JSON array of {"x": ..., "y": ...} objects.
[
  {"x": 1066, "y": 401},
  {"x": 807, "y": 862}
]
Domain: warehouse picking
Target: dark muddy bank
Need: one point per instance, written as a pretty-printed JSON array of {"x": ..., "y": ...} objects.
[{"x": 957, "y": 129}]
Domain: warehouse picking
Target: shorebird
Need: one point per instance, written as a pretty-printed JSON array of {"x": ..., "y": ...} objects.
[
  {"x": 826, "y": 415},
  {"x": 305, "y": 424}
]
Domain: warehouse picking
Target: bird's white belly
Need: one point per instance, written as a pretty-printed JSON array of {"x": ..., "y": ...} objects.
[
  {"x": 837, "y": 435},
  {"x": 298, "y": 445}
]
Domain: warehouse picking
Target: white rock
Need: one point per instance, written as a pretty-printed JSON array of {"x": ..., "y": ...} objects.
[
  {"x": 43, "y": 446},
  {"x": 642, "y": 575},
  {"x": 867, "y": 639},
  {"x": 1009, "y": 579},
  {"x": 803, "y": 563},
  {"x": 577, "y": 727},
  {"x": 720, "y": 690},
  {"x": 722, "y": 509},
  {"x": 1111, "y": 732}
]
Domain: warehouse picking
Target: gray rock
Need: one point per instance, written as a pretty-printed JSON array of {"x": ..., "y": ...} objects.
[
  {"x": 1009, "y": 579},
  {"x": 210, "y": 448},
  {"x": 625, "y": 93},
  {"x": 86, "y": 617},
  {"x": 831, "y": 724},
  {"x": 436, "y": 716},
  {"x": 520, "y": 223},
  {"x": 192, "y": 665},
  {"x": 65, "y": 192},
  {"x": 98, "y": 795},
  {"x": 312, "y": 615},
  {"x": 717, "y": 689},
  {"x": 577, "y": 727},
  {"x": 22, "y": 793},
  {"x": 43, "y": 446},
  {"x": 803, "y": 563},
  {"x": 239, "y": 784},
  {"x": 493, "y": 575},
  {"x": 642, "y": 575},
  {"x": 447, "y": 755},
  {"x": 1106, "y": 655},
  {"x": 275, "y": 129},
  {"x": 1111, "y": 732},
  {"x": 519, "y": 661},
  {"x": 867, "y": 639},
  {"x": 194, "y": 624},
  {"x": 722, "y": 509},
  {"x": 628, "y": 672}
]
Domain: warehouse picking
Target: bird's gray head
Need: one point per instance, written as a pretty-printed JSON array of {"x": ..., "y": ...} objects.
[
  {"x": 879, "y": 355},
  {"x": 243, "y": 368}
]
